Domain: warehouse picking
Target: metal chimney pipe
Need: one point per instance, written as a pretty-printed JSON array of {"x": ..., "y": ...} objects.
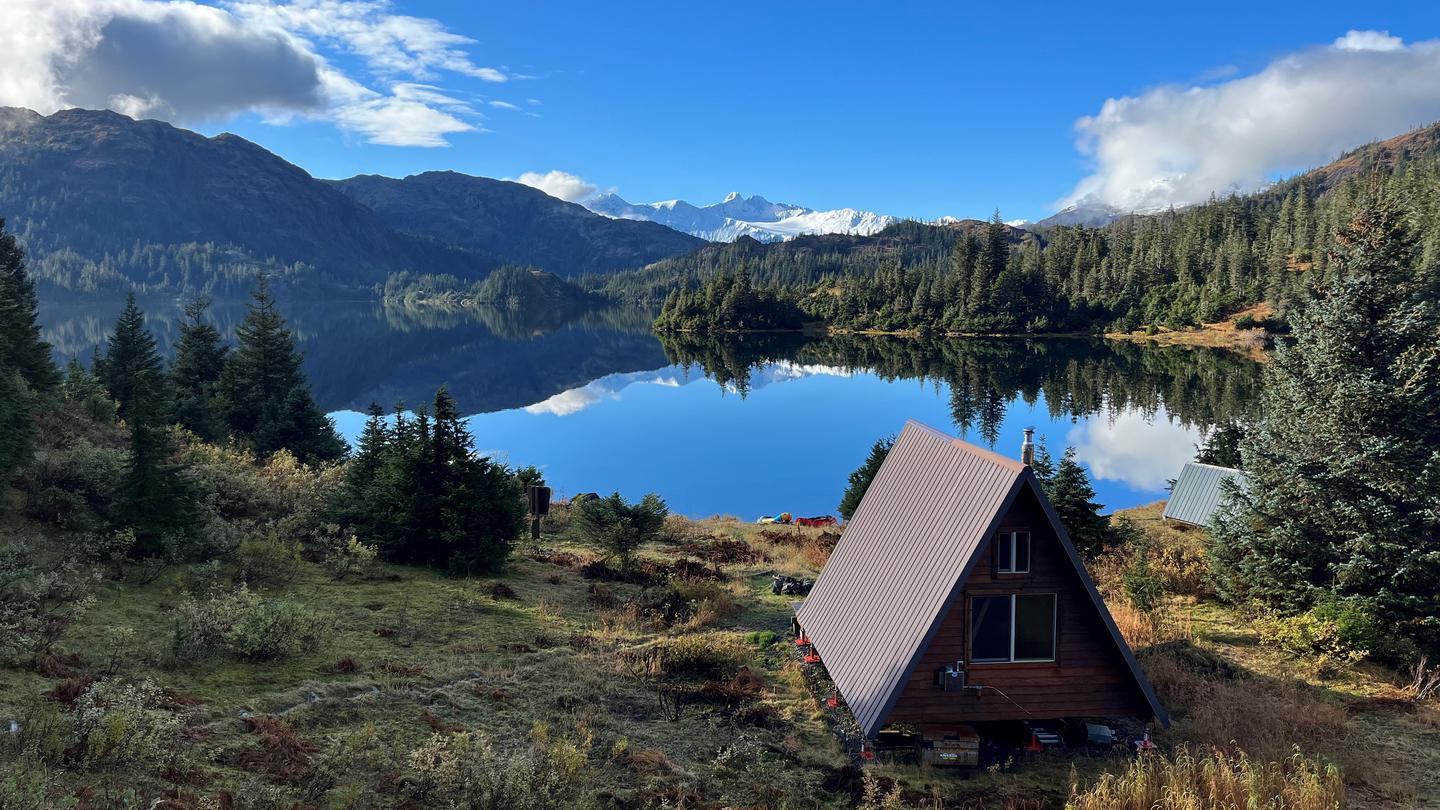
[{"x": 1027, "y": 450}]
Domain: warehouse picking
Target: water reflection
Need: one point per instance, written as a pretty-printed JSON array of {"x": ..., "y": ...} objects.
[
  {"x": 358, "y": 352},
  {"x": 746, "y": 425},
  {"x": 985, "y": 377}
]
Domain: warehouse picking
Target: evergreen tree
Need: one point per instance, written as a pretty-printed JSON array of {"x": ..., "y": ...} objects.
[
  {"x": 418, "y": 491},
  {"x": 617, "y": 527},
  {"x": 1343, "y": 466},
  {"x": 153, "y": 499},
  {"x": 1073, "y": 497},
  {"x": 131, "y": 368},
  {"x": 195, "y": 374},
  {"x": 21, "y": 348},
  {"x": 17, "y": 424},
  {"x": 1044, "y": 464},
  {"x": 264, "y": 397},
  {"x": 861, "y": 478},
  {"x": 1222, "y": 446},
  {"x": 86, "y": 390}
]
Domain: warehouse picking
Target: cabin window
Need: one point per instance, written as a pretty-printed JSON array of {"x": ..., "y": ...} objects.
[
  {"x": 990, "y": 628},
  {"x": 1035, "y": 627},
  {"x": 1012, "y": 553},
  {"x": 1013, "y": 627}
]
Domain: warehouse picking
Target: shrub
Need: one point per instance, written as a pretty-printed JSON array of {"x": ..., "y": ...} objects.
[
  {"x": 125, "y": 725},
  {"x": 240, "y": 622},
  {"x": 617, "y": 527},
  {"x": 38, "y": 603},
  {"x": 269, "y": 630},
  {"x": 700, "y": 656},
  {"x": 351, "y": 558},
  {"x": 280, "y": 494},
  {"x": 1331, "y": 631},
  {"x": 707, "y": 601},
  {"x": 465, "y": 770},
  {"x": 72, "y": 488},
  {"x": 1143, "y": 587},
  {"x": 267, "y": 558},
  {"x": 1215, "y": 780}
]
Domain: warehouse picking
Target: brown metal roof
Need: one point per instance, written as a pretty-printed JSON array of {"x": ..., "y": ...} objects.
[{"x": 902, "y": 559}]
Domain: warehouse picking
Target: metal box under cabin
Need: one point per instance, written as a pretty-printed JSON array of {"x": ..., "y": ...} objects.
[{"x": 958, "y": 747}]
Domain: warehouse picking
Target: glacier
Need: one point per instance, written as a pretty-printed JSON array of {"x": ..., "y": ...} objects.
[{"x": 738, "y": 216}]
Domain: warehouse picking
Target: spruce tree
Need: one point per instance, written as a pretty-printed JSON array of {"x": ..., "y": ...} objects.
[
  {"x": 26, "y": 368},
  {"x": 195, "y": 374},
  {"x": 21, "y": 348},
  {"x": 1343, "y": 465},
  {"x": 17, "y": 424},
  {"x": 419, "y": 492},
  {"x": 479, "y": 506},
  {"x": 860, "y": 479},
  {"x": 153, "y": 499},
  {"x": 264, "y": 397},
  {"x": 131, "y": 368},
  {"x": 1222, "y": 446},
  {"x": 1073, "y": 497}
]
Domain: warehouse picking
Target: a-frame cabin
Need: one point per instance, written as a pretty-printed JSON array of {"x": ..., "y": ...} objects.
[{"x": 956, "y": 597}]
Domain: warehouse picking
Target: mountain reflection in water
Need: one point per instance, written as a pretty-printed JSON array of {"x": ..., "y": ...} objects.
[{"x": 749, "y": 425}]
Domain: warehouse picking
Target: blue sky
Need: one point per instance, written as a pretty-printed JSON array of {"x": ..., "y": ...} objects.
[{"x": 907, "y": 108}]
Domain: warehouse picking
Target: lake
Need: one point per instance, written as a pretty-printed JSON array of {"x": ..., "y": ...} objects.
[{"x": 749, "y": 425}]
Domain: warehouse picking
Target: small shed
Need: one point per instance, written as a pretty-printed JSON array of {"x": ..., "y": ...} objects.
[
  {"x": 1197, "y": 492},
  {"x": 956, "y": 597}
]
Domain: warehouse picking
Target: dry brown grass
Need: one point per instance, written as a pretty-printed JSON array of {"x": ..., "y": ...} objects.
[
  {"x": 1219, "y": 779},
  {"x": 1221, "y": 335},
  {"x": 1143, "y": 629}
]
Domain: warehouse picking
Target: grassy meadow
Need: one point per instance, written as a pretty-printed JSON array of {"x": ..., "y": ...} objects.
[{"x": 568, "y": 682}]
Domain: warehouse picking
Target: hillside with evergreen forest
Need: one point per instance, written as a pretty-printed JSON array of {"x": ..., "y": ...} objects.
[
  {"x": 522, "y": 224},
  {"x": 101, "y": 201},
  {"x": 1175, "y": 269}
]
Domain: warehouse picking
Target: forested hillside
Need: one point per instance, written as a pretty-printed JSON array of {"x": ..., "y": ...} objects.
[
  {"x": 101, "y": 201},
  {"x": 521, "y": 224},
  {"x": 1173, "y": 269}
]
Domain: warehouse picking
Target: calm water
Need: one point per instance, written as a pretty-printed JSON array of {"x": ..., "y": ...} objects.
[{"x": 747, "y": 426}]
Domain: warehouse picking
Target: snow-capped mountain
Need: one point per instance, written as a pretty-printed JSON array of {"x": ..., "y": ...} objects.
[
  {"x": 1088, "y": 214},
  {"x": 738, "y": 216}
]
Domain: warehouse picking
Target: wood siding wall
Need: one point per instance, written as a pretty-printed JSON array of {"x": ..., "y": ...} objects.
[{"x": 1089, "y": 677}]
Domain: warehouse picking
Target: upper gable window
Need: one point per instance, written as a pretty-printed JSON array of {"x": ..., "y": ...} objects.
[{"x": 1012, "y": 553}]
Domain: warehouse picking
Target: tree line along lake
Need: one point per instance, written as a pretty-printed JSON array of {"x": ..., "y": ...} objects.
[{"x": 741, "y": 424}]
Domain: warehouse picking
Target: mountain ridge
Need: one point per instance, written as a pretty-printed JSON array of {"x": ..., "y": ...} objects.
[
  {"x": 100, "y": 198},
  {"x": 519, "y": 223},
  {"x": 102, "y": 201}
]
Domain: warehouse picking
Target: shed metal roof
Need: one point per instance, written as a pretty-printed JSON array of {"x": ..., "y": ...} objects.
[
  {"x": 1197, "y": 491},
  {"x": 902, "y": 562}
]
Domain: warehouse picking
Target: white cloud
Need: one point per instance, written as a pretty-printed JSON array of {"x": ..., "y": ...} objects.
[
  {"x": 559, "y": 184},
  {"x": 503, "y": 105},
  {"x": 1142, "y": 452},
  {"x": 190, "y": 62},
  {"x": 393, "y": 43},
  {"x": 1175, "y": 145},
  {"x": 1369, "y": 41},
  {"x": 603, "y": 389}
]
